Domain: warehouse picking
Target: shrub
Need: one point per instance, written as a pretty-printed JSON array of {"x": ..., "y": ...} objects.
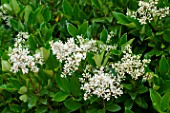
[{"x": 84, "y": 56}]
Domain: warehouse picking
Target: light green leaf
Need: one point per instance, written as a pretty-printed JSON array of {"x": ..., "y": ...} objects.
[
  {"x": 60, "y": 96},
  {"x": 23, "y": 98},
  {"x": 23, "y": 90},
  {"x": 15, "y": 6},
  {"x": 98, "y": 58},
  {"x": 5, "y": 65},
  {"x": 28, "y": 10}
]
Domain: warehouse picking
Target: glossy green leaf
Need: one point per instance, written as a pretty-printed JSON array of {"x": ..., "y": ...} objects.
[
  {"x": 123, "y": 39},
  {"x": 83, "y": 28},
  {"x": 60, "y": 96},
  {"x": 63, "y": 84},
  {"x": 104, "y": 35},
  {"x": 156, "y": 98},
  {"x": 128, "y": 110},
  {"x": 165, "y": 100},
  {"x": 122, "y": 19},
  {"x": 72, "y": 29}
]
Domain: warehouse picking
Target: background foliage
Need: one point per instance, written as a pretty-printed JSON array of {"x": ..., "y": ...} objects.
[{"x": 47, "y": 20}]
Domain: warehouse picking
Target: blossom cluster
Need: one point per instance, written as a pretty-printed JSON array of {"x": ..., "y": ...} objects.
[
  {"x": 72, "y": 54},
  {"x": 147, "y": 11},
  {"x": 3, "y": 15},
  {"x": 21, "y": 58},
  {"x": 101, "y": 83},
  {"x": 130, "y": 64}
]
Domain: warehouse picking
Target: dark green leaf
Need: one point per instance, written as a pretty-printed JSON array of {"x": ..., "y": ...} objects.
[
  {"x": 165, "y": 87},
  {"x": 67, "y": 8},
  {"x": 83, "y": 28},
  {"x": 97, "y": 3},
  {"x": 141, "y": 102},
  {"x": 75, "y": 86},
  {"x": 163, "y": 67},
  {"x": 15, "y": 108},
  {"x": 128, "y": 110},
  {"x": 113, "y": 108},
  {"x": 47, "y": 14},
  {"x": 72, "y": 105},
  {"x": 63, "y": 84},
  {"x": 123, "y": 39},
  {"x": 72, "y": 29}
]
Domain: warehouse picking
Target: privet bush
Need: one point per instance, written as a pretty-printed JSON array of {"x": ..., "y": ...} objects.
[{"x": 85, "y": 56}]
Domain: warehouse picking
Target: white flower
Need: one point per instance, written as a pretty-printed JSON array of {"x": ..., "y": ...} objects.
[
  {"x": 147, "y": 11},
  {"x": 20, "y": 56},
  {"x": 130, "y": 64},
  {"x": 102, "y": 84}
]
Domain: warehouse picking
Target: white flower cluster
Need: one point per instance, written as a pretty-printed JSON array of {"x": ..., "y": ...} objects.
[
  {"x": 4, "y": 16},
  {"x": 101, "y": 83},
  {"x": 147, "y": 11},
  {"x": 20, "y": 56},
  {"x": 71, "y": 53},
  {"x": 130, "y": 64}
]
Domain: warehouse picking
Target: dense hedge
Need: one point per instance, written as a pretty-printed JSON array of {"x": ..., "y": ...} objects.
[{"x": 86, "y": 56}]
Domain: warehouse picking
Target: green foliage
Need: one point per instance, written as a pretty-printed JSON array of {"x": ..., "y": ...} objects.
[{"x": 47, "y": 92}]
